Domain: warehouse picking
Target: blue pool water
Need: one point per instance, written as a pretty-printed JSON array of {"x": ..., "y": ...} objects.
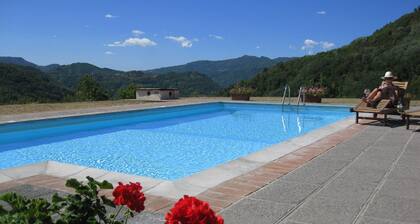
[{"x": 166, "y": 143}]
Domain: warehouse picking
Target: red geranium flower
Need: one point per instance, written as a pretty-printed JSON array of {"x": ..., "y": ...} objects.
[
  {"x": 190, "y": 210},
  {"x": 130, "y": 195}
]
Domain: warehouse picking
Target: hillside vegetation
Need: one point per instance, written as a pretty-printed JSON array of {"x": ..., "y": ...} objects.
[
  {"x": 346, "y": 71},
  {"x": 22, "y": 84}
]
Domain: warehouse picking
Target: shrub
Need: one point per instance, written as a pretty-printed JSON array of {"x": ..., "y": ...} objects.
[
  {"x": 315, "y": 91},
  {"x": 240, "y": 90}
]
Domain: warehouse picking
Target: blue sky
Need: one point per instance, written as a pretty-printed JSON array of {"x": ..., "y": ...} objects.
[{"x": 140, "y": 34}]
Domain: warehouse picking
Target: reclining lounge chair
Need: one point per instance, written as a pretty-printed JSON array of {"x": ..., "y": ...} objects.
[{"x": 381, "y": 108}]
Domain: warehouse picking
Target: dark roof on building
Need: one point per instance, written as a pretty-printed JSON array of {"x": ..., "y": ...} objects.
[{"x": 157, "y": 89}]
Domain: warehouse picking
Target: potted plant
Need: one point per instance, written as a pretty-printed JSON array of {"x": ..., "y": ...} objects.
[
  {"x": 241, "y": 93},
  {"x": 314, "y": 94}
]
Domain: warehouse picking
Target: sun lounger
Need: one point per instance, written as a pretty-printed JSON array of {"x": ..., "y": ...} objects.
[
  {"x": 381, "y": 108},
  {"x": 409, "y": 115}
]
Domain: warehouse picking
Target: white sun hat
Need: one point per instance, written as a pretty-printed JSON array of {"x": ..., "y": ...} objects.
[{"x": 388, "y": 74}]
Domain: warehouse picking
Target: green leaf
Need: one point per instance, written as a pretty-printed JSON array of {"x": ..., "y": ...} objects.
[
  {"x": 105, "y": 185},
  {"x": 2, "y": 210},
  {"x": 56, "y": 198},
  {"x": 107, "y": 201},
  {"x": 73, "y": 183}
]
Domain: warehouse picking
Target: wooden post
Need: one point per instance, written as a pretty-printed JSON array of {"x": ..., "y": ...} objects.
[
  {"x": 407, "y": 122},
  {"x": 385, "y": 119},
  {"x": 357, "y": 117}
]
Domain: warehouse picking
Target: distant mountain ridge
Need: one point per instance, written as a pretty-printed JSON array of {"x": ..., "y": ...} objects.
[
  {"x": 226, "y": 72},
  {"x": 17, "y": 61},
  {"x": 23, "y": 81},
  {"x": 223, "y": 72}
]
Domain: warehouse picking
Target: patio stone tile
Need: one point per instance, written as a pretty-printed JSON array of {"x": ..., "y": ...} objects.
[
  {"x": 362, "y": 175},
  {"x": 402, "y": 187},
  {"x": 29, "y": 191},
  {"x": 341, "y": 153},
  {"x": 292, "y": 222},
  {"x": 155, "y": 203},
  {"x": 371, "y": 220},
  {"x": 217, "y": 195},
  {"x": 285, "y": 192},
  {"x": 344, "y": 189},
  {"x": 394, "y": 208},
  {"x": 8, "y": 185},
  {"x": 373, "y": 162},
  {"x": 26, "y": 171},
  {"x": 62, "y": 169},
  {"x": 315, "y": 172},
  {"x": 327, "y": 210},
  {"x": 4, "y": 178},
  {"x": 149, "y": 218},
  {"x": 391, "y": 152},
  {"x": 252, "y": 211},
  {"x": 401, "y": 171},
  {"x": 410, "y": 160}
]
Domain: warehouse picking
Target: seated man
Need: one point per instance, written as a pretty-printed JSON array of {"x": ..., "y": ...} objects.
[{"x": 387, "y": 90}]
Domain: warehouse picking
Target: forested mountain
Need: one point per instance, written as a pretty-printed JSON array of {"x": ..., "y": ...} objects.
[
  {"x": 17, "y": 61},
  {"x": 22, "y": 84},
  {"x": 346, "y": 71},
  {"x": 189, "y": 83},
  {"x": 226, "y": 72}
]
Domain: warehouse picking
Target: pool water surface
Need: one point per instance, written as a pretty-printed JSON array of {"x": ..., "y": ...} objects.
[{"x": 164, "y": 143}]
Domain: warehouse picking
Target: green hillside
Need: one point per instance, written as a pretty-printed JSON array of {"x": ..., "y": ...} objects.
[
  {"x": 22, "y": 84},
  {"x": 226, "y": 72},
  {"x": 346, "y": 71},
  {"x": 189, "y": 83}
]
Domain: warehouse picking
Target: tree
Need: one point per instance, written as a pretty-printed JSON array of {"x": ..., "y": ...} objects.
[
  {"x": 89, "y": 90},
  {"x": 128, "y": 92}
]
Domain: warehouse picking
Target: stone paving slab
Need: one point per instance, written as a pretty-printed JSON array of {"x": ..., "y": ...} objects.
[
  {"x": 327, "y": 210},
  {"x": 395, "y": 208},
  {"x": 252, "y": 211},
  {"x": 316, "y": 172},
  {"x": 285, "y": 192},
  {"x": 342, "y": 189},
  {"x": 371, "y": 220}
]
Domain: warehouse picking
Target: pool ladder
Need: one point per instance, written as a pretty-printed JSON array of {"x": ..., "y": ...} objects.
[{"x": 300, "y": 98}]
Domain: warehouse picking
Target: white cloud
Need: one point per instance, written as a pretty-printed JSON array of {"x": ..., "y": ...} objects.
[
  {"x": 312, "y": 45},
  {"x": 109, "y": 53},
  {"x": 258, "y": 47},
  {"x": 110, "y": 16},
  {"x": 308, "y": 44},
  {"x": 321, "y": 12},
  {"x": 137, "y": 32},
  {"x": 182, "y": 40},
  {"x": 133, "y": 41},
  {"x": 327, "y": 45},
  {"x": 217, "y": 37}
]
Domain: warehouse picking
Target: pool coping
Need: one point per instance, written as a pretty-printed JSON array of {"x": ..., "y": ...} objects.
[
  {"x": 122, "y": 110},
  {"x": 194, "y": 184}
]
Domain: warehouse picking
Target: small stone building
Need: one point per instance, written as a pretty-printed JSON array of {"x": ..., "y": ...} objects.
[{"x": 156, "y": 94}]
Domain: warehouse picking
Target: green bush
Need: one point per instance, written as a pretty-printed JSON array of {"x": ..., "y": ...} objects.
[{"x": 241, "y": 90}]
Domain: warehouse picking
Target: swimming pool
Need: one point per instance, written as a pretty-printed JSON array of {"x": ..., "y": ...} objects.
[{"x": 165, "y": 143}]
